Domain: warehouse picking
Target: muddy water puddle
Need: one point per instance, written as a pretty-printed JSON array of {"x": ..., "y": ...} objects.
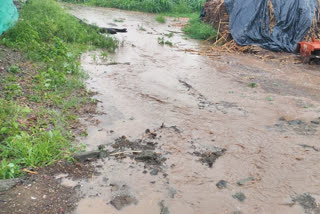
[{"x": 208, "y": 126}]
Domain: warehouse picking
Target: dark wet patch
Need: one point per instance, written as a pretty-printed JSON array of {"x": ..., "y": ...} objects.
[
  {"x": 121, "y": 201},
  {"x": 307, "y": 202},
  {"x": 209, "y": 157},
  {"x": 141, "y": 150},
  {"x": 123, "y": 142},
  {"x": 149, "y": 157},
  {"x": 300, "y": 127}
]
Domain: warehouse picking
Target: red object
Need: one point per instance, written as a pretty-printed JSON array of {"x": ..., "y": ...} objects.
[{"x": 306, "y": 48}]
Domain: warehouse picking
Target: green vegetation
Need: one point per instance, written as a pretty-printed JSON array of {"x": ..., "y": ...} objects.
[
  {"x": 252, "y": 85},
  {"x": 161, "y": 19},
  {"x": 152, "y": 6},
  {"x": 38, "y": 105},
  {"x": 14, "y": 69},
  {"x": 197, "y": 29},
  {"x": 170, "y": 35},
  {"x": 162, "y": 41}
]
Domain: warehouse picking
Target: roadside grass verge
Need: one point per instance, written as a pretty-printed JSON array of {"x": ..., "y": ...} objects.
[
  {"x": 152, "y": 6},
  {"x": 196, "y": 29},
  {"x": 42, "y": 92}
]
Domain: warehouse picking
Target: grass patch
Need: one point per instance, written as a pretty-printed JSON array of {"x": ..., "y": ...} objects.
[
  {"x": 41, "y": 96},
  {"x": 252, "y": 85},
  {"x": 197, "y": 29},
  {"x": 152, "y": 6},
  {"x": 161, "y": 19}
]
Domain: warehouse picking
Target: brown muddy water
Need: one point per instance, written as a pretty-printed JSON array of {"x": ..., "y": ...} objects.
[{"x": 206, "y": 125}]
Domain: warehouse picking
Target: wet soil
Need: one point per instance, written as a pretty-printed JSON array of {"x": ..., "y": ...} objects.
[
  {"x": 236, "y": 118},
  {"x": 192, "y": 111}
]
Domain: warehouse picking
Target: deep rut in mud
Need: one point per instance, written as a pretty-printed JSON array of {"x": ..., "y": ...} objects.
[{"x": 187, "y": 133}]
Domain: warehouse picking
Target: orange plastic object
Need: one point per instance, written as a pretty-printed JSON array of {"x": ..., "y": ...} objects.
[{"x": 306, "y": 48}]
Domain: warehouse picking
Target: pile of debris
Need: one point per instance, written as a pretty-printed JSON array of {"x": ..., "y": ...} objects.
[{"x": 216, "y": 14}]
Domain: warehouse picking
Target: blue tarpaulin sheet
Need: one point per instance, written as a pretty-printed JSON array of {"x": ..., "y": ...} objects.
[{"x": 249, "y": 22}]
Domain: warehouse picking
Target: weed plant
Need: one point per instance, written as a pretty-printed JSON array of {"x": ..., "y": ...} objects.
[{"x": 161, "y": 19}]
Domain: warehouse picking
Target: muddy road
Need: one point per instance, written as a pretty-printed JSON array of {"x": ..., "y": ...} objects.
[{"x": 220, "y": 134}]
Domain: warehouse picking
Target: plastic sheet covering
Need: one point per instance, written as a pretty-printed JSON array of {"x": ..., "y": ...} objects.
[
  {"x": 250, "y": 22},
  {"x": 8, "y": 15}
]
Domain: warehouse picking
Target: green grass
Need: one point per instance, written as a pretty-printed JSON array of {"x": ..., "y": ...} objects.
[
  {"x": 197, "y": 29},
  {"x": 53, "y": 40},
  {"x": 152, "y": 6},
  {"x": 252, "y": 85},
  {"x": 161, "y": 19}
]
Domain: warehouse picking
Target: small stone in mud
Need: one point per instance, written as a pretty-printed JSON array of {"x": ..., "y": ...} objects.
[
  {"x": 222, "y": 184},
  {"x": 240, "y": 196},
  {"x": 307, "y": 202},
  {"x": 172, "y": 192},
  {"x": 315, "y": 122},
  {"x": 163, "y": 208},
  {"x": 244, "y": 181},
  {"x": 114, "y": 187},
  {"x": 121, "y": 201},
  {"x": 154, "y": 172}
]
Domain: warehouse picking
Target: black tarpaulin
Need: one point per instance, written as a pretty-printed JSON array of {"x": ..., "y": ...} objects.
[{"x": 249, "y": 22}]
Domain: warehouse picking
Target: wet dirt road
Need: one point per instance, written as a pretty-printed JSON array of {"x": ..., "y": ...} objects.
[{"x": 261, "y": 141}]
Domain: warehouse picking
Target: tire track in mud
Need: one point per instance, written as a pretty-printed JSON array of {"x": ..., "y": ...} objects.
[{"x": 203, "y": 103}]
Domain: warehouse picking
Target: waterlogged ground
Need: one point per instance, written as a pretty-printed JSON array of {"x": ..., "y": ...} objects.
[{"x": 220, "y": 134}]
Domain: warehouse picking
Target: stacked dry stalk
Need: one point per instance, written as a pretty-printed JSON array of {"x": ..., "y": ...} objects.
[
  {"x": 272, "y": 18},
  {"x": 314, "y": 31},
  {"x": 217, "y": 16}
]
